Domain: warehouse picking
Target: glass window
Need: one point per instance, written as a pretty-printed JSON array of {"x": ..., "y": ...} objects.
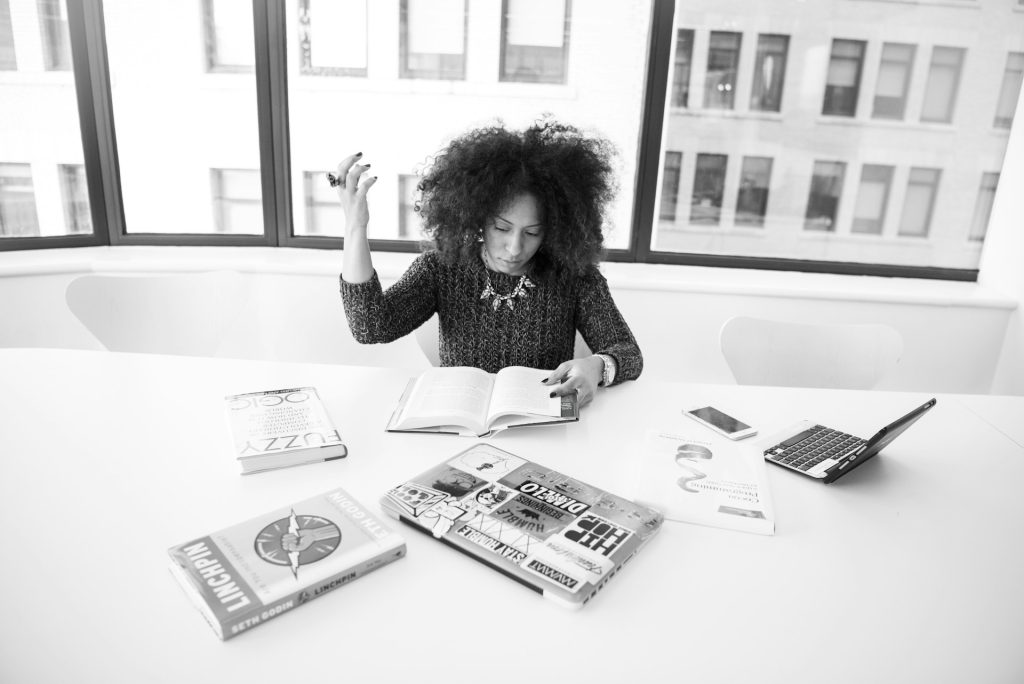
[
  {"x": 983, "y": 207},
  {"x": 708, "y": 189},
  {"x": 843, "y": 80},
  {"x": 922, "y": 186},
  {"x": 682, "y": 66},
  {"x": 723, "y": 63},
  {"x": 228, "y": 30},
  {"x": 752, "y": 198},
  {"x": 1009, "y": 91},
  {"x": 823, "y": 201},
  {"x": 175, "y": 120},
  {"x": 535, "y": 40},
  {"x": 18, "y": 216},
  {"x": 8, "y": 55},
  {"x": 75, "y": 193},
  {"x": 323, "y": 210},
  {"x": 943, "y": 83},
  {"x": 670, "y": 185},
  {"x": 894, "y": 71},
  {"x": 433, "y": 39},
  {"x": 236, "y": 199},
  {"x": 53, "y": 22},
  {"x": 408, "y": 219},
  {"x": 872, "y": 199},
  {"x": 769, "y": 72},
  {"x": 332, "y": 37}
]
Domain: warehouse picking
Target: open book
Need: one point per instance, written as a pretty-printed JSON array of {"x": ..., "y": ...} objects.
[{"x": 471, "y": 401}]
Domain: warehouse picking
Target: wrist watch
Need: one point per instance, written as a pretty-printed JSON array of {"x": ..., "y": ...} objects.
[{"x": 608, "y": 374}]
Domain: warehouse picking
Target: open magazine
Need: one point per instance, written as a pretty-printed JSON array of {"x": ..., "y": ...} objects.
[
  {"x": 719, "y": 483},
  {"x": 470, "y": 401}
]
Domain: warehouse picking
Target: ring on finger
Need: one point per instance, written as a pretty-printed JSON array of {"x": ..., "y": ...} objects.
[{"x": 335, "y": 181}]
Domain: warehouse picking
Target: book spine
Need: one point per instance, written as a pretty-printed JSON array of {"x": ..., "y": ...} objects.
[{"x": 263, "y": 613}]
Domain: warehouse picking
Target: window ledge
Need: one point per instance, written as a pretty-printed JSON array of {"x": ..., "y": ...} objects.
[{"x": 625, "y": 276}]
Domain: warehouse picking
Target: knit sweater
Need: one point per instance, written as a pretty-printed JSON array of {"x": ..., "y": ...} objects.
[{"x": 538, "y": 332}]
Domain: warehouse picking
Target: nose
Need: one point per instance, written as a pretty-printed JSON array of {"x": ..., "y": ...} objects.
[{"x": 515, "y": 244}]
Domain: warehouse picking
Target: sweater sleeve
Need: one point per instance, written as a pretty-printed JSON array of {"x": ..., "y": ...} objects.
[
  {"x": 377, "y": 316},
  {"x": 604, "y": 329}
]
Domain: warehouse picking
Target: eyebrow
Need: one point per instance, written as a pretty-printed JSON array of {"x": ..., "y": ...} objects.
[{"x": 532, "y": 225}]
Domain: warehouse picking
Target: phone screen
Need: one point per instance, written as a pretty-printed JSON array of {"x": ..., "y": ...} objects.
[{"x": 722, "y": 421}]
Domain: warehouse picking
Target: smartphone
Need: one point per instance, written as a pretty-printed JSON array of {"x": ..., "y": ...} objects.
[{"x": 720, "y": 422}]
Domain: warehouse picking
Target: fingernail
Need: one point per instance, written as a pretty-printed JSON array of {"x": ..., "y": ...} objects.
[
  {"x": 366, "y": 166},
  {"x": 374, "y": 178},
  {"x": 359, "y": 154},
  {"x": 552, "y": 395}
]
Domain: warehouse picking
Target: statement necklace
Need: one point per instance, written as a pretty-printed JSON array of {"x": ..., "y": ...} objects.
[{"x": 520, "y": 290}]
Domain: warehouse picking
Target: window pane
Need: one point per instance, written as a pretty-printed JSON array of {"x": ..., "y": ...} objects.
[
  {"x": 708, "y": 188},
  {"x": 893, "y": 81},
  {"x": 769, "y": 73},
  {"x": 670, "y": 185},
  {"x": 872, "y": 199},
  {"x": 723, "y": 60},
  {"x": 178, "y": 121},
  {"x": 400, "y": 122},
  {"x": 983, "y": 207},
  {"x": 848, "y": 134},
  {"x": 943, "y": 81},
  {"x": 535, "y": 43},
  {"x": 433, "y": 39},
  {"x": 332, "y": 37},
  {"x": 1009, "y": 90},
  {"x": 681, "y": 71},
  {"x": 40, "y": 134},
  {"x": 752, "y": 197}
]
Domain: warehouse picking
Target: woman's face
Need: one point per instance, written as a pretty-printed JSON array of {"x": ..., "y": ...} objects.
[{"x": 514, "y": 236}]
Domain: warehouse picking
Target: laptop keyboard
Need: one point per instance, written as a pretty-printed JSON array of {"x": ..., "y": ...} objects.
[{"x": 811, "y": 447}]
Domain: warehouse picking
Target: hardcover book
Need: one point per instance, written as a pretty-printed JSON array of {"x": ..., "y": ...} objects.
[
  {"x": 281, "y": 428},
  {"x": 718, "y": 483},
  {"x": 246, "y": 574},
  {"x": 469, "y": 401}
]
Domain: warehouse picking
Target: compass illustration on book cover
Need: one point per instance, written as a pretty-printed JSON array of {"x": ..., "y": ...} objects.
[{"x": 297, "y": 540}]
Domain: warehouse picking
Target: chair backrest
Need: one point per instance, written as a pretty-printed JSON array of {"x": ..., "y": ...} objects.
[
  {"x": 843, "y": 356},
  {"x": 186, "y": 313},
  {"x": 428, "y": 337}
]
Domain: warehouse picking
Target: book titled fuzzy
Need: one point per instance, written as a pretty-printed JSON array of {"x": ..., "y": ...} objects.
[{"x": 241, "y": 576}]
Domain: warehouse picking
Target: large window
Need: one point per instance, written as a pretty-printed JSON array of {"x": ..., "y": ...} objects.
[
  {"x": 823, "y": 201},
  {"x": 769, "y": 72},
  {"x": 683, "y": 63},
  {"x": 535, "y": 41},
  {"x": 843, "y": 84},
  {"x": 1009, "y": 90},
  {"x": 708, "y": 189},
  {"x": 8, "y": 54},
  {"x": 433, "y": 39},
  {"x": 752, "y": 197},
  {"x": 922, "y": 187},
  {"x": 53, "y": 21},
  {"x": 332, "y": 37},
  {"x": 670, "y": 185},
  {"x": 723, "y": 64},
  {"x": 872, "y": 199},
  {"x": 894, "y": 71},
  {"x": 943, "y": 83},
  {"x": 18, "y": 217}
]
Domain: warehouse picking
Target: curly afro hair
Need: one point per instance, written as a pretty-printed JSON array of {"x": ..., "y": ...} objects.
[{"x": 478, "y": 173}]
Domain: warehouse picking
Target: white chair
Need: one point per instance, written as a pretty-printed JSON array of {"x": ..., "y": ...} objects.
[
  {"x": 841, "y": 356},
  {"x": 182, "y": 313},
  {"x": 428, "y": 337}
]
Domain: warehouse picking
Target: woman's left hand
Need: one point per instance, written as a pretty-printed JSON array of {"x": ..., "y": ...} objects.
[{"x": 583, "y": 375}]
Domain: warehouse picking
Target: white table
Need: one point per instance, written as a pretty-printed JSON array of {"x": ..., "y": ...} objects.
[{"x": 910, "y": 569}]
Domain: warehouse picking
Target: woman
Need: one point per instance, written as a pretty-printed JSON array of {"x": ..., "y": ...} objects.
[{"x": 516, "y": 220}]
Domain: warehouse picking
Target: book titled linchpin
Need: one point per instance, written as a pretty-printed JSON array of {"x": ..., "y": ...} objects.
[
  {"x": 241, "y": 576},
  {"x": 281, "y": 428}
]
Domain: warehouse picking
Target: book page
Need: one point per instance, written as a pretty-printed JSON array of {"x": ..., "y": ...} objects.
[
  {"x": 518, "y": 391},
  {"x": 448, "y": 396}
]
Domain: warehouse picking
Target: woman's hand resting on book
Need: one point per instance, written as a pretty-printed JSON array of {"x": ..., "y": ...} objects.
[{"x": 582, "y": 375}]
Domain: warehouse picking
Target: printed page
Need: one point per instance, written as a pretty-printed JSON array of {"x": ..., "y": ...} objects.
[
  {"x": 448, "y": 396},
  {"x": 518, "y": 391}
]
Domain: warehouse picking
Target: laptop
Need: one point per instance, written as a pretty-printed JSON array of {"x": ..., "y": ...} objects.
[
  {"x": 827, "y": 454},
  {"x": 561, "y": 537}
]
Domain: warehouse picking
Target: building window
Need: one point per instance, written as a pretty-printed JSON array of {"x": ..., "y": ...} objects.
[
  {"x": 1010, "y": 90},
  {"x": 332, "y": 37},
  {"x": 983, "y": 206},
  {"x": 752, "y": 199},
  {"x": 535, "y": 40},
  {"x": 8, "y": 55},
  {"x": 323, "y": 211},
  {"x": 237, "y": 201},
  {"x": 18, "y": 216},
  {"x": 683, "y": 64},
  {"x": 922, "y": 186},
  {"x": 843, "y": 82},
  {"x": 708, "y": 188},
  {"x": 670, "y": 185},
  {"x": 872, "y": 199},
  {"x": 433, "y": 39},
  {"x": 723, "y": 62},
  {"x": 228, "y": 33},
  {"x": 943, "y": 83},
  {"x": 823, "y": 201},
  {"x": 894, "y": 71},
  {"x": 75, "y": 192},
  {"x": 769, "y": 72},
  {"x": 53, "y": 23},
  {"x": 408, "y": 219}
]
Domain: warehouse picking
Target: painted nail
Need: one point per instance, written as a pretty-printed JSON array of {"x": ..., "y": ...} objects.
[
  {"x": 552, "y": 395},
  {"x": 359, "y": 154},
  {"x": 366, "y": 166}
]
